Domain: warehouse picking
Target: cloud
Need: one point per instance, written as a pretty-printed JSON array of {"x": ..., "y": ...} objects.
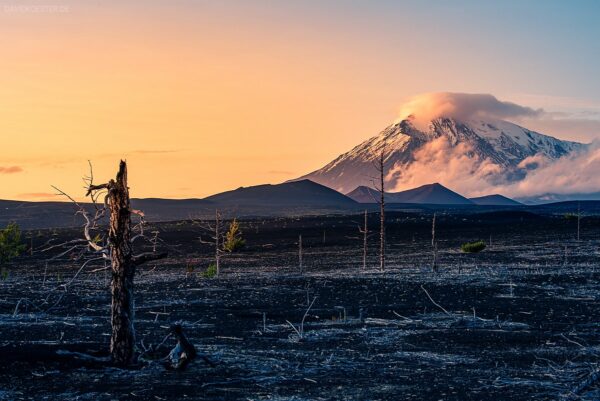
[
  {"x": 566, "y": 118},
  {"x": 566, "y": 126},
  {"x": 462, "y": 106},
  {"x": 456, "y": 167},
  {"x": 576, "y": 173},
  {"x": 461, "y": 170},
  {"x": 11, "y": 170}
]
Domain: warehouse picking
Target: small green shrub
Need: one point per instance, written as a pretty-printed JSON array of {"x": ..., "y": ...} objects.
[
  {"x": 97, "y": 239},
  {"x": 4, "y": 274},
  {"x": 10, "y": 243},
  {"x": 210, "y": 272},
  {"x": 233, "y": 238},
  {"x": 473, "y": 247}
]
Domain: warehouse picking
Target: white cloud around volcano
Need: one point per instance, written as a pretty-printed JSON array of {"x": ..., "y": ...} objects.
[
  {"x": 565, "y": 118},
  {"x": 461, "y": 170},
  {"x": 462, "y": 106}
]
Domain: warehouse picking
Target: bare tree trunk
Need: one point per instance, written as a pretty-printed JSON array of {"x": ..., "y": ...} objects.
[
  {"x": 382, "y": 213},
  {"x": 217, "y": 251},
  {"x": 365, "y": 233},
  {"x": 300, "y": 254},
  {"x": 434, "y": 245},
  {"x": 578, "y": 220},
  {"x": 435, "y": 257},
  {"x": 433, "y": 231},
  {"x": 122, "y": 341},
  {"x": 117, "y": 248}
]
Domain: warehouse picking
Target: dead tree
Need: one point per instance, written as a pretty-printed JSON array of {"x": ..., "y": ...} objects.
[
  {"x": 300, "y": 254},
  {"x": 435, "y": 257},
  {"x": 216, "y": 235},
  {"x": 434, "y": 246},
  {"x": 217, "y": 242},
  {"x": 118, "y": 249},
  {"x": 433, "y": 231},
  {"x": 365, "y": 233},
  {"x": 380, "y": 168},
  {"x": 578, "y": 220}
]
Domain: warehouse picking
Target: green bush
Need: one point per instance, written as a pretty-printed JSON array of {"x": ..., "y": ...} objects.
[
  {"x": 10, "y": 243},
  {"x": 233, "y": 238},
  {"x": 211, "y": 271},
  {"x": 473, "y": 247}
]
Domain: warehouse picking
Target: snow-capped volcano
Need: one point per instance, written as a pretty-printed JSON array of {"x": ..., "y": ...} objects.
[{"x": 496, "y": 150}]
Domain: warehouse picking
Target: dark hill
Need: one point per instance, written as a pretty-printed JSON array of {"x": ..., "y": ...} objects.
[
  {"x": 494, "y": 200},
  {"x": 303, "y": 193},
  {"x": 434, "y": 194}
]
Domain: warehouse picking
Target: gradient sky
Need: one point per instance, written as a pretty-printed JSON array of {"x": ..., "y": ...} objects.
[{"x": 202, "y": 97}]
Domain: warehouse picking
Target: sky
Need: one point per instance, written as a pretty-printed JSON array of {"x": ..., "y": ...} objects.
[{"x": 201, "y": 97}]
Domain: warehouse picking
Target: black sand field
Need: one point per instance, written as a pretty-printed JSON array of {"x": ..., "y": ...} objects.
[{"x": 517, "y": 321}]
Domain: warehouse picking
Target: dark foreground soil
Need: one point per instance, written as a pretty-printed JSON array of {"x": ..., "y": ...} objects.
[{"x": 517, "y": 321}]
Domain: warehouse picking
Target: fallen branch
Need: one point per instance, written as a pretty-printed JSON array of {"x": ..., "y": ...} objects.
[
  {"x": 435, "y": 303},
  {"x": 147, "y": 257}
]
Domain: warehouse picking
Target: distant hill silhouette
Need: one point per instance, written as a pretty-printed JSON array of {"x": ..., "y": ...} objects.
[
  {"x": 295, "y": 198},
  {"x": 435, "y": 194},
  {"x": 296, "y": 193},
  {"x": 494, "y": 200},
  {"x": 292, "y": 198}
]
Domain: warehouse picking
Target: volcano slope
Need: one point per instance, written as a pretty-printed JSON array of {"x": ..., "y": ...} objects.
[{"x": 516, "y": 321}]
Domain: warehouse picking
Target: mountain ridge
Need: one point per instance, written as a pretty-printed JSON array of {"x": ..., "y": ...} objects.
[{"x": 500, "y": 142}]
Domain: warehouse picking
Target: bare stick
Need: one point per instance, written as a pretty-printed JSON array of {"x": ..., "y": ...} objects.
[
  {"x": 433, "y": 231},
  {"x": 578, "y": 220},
  {"x": 294, "y": 327},
  {"x": 217, "y": 245},
  {"x": 300, "y": 254},
  {"x": 306, "y": 313},
  {"x": 300, "y": 330},
  {"x": 365, "y": 232},
  {"x": 435, "y": 303}
]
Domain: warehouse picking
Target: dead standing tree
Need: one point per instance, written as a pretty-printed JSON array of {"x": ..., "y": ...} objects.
[
  {"x": 433, "y": 230},
  {"x": 118, "y": 249},
  {"x": 434, "y": 245},
  {"x": 217, "y": 235},
  {"x": 578, "y": 220},
  {"x": 300, "y": 265},
  {"x": 380, "y": 187},
  {"x": 365, "y": 234},
  {"x": 363, "y": 229}
]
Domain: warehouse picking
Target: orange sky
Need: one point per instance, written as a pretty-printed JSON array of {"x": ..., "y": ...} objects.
[{"x": 202, "y": 98}]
